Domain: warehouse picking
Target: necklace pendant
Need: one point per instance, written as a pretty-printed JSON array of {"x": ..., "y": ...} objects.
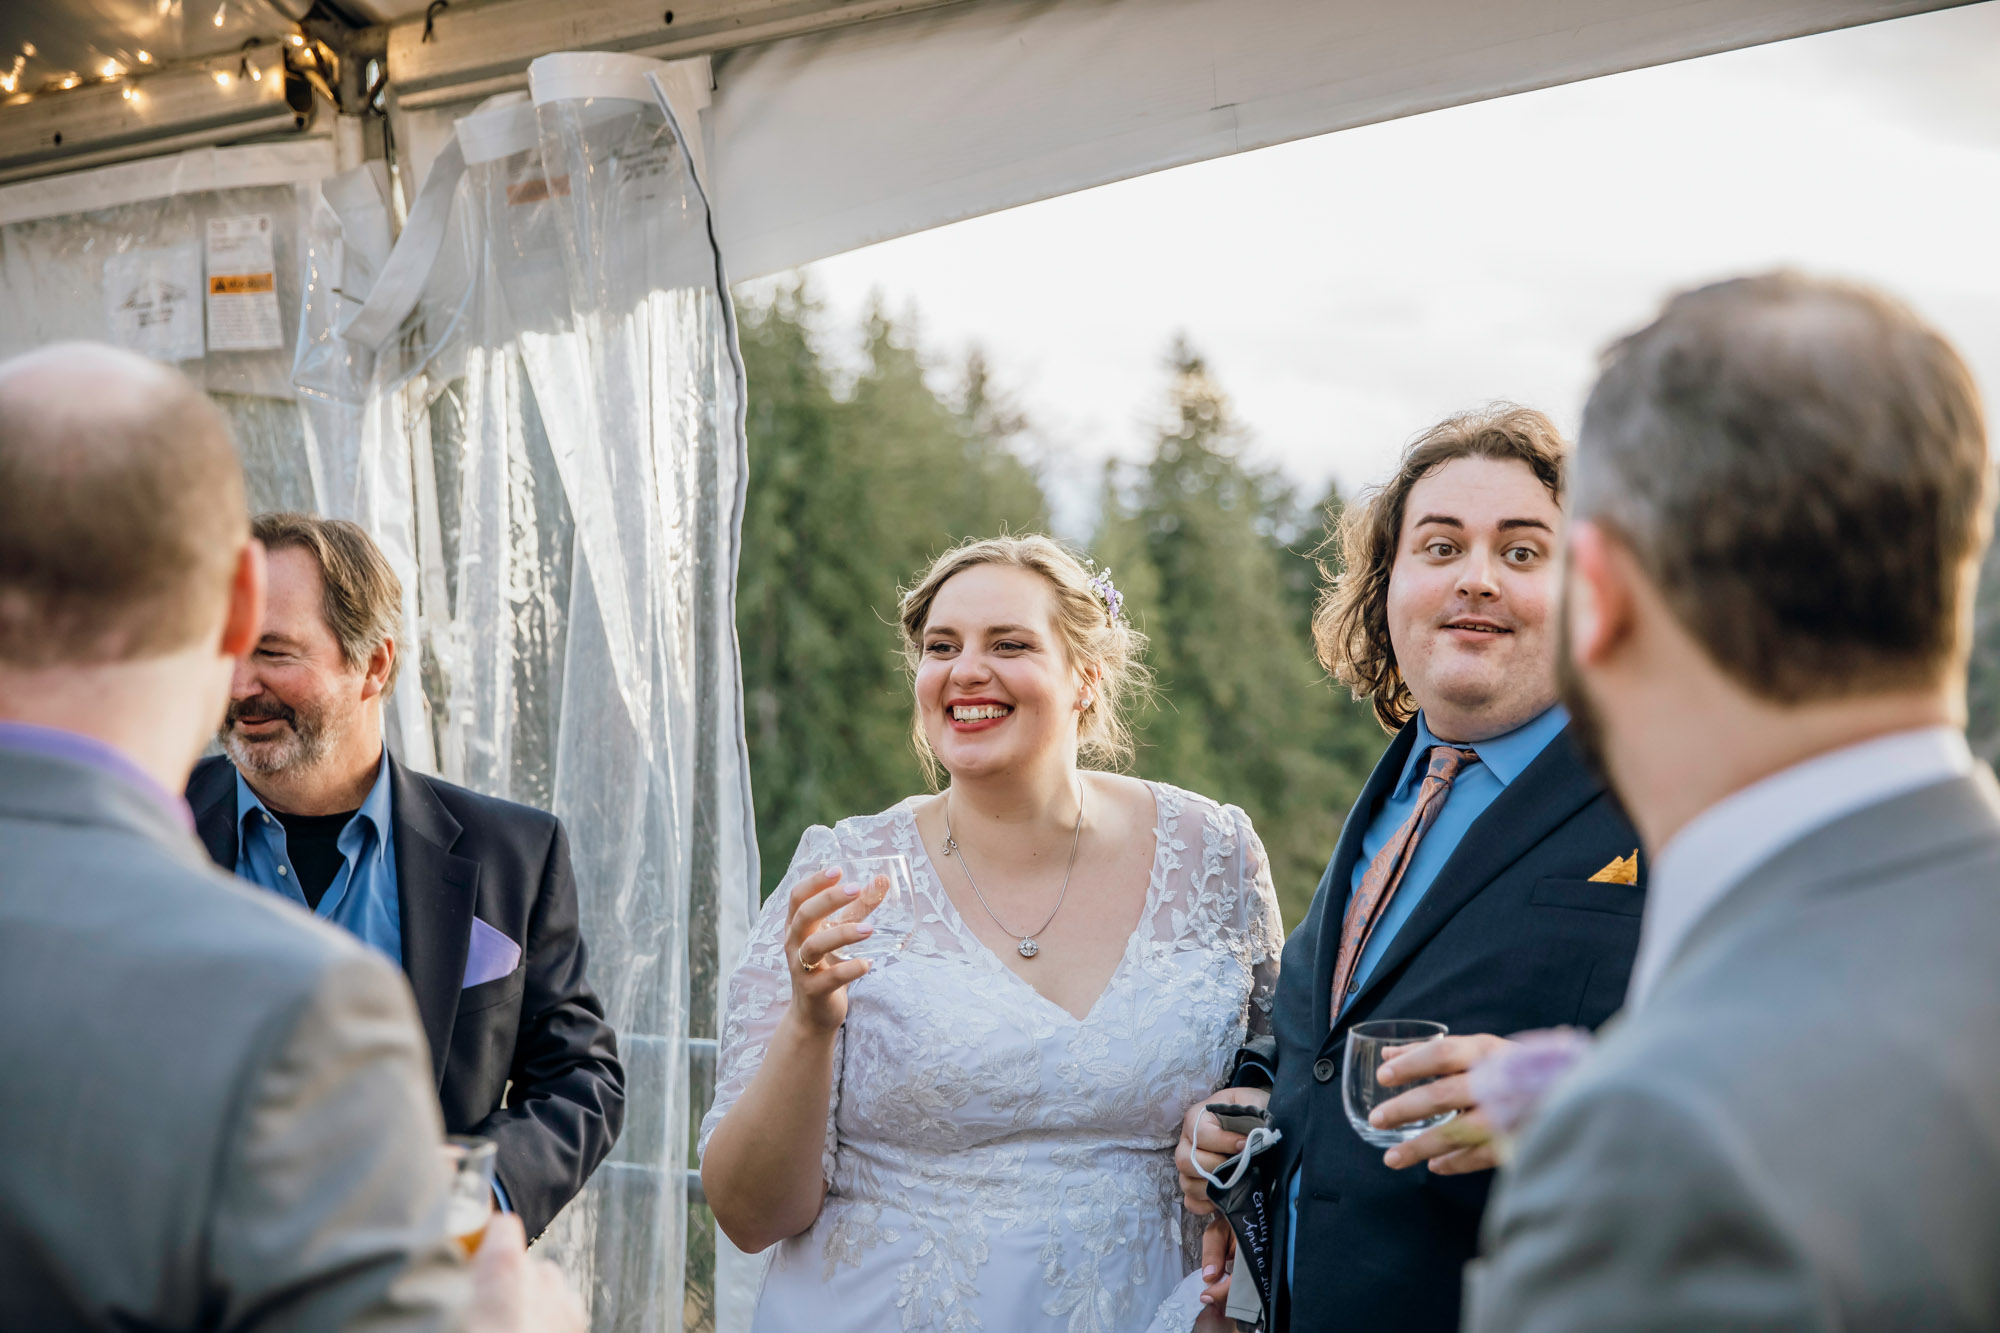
[{"x": 1028, "y": 948}]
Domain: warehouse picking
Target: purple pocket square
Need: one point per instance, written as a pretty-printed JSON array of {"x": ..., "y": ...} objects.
[{"x": 491, "y": 955}]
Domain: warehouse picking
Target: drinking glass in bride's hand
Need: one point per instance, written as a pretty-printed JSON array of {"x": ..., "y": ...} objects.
[
  {"x": 1361, "y": 1087},
  {"x": 887, "y": 901}
]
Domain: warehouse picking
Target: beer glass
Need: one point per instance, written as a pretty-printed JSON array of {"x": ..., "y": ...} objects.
[
  {"x": 1368, "y": 1045},
  {"x": 471, "y": 1200}
]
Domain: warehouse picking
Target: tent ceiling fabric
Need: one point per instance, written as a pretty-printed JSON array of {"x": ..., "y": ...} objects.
[
  {"x": 826, "y": 143},
  {"x": 435, "y": 58},
  {"x": 860, "y": 128},
  {"x": 79, "y": 36}
]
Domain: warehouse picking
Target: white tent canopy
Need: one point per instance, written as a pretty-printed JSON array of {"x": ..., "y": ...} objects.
[
  {"x": 838, "y": 123},
  {"x": 827, "y": 142}
]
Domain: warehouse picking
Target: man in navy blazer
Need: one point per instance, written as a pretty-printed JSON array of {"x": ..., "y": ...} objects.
[
  {"x": 471, "y": 895},
  {"x": 1486, "y": 879}
]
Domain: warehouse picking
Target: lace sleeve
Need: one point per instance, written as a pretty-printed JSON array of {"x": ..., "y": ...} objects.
[
  {"x": 758, "y": 993},
  {"x": 1262, "y": 926}
]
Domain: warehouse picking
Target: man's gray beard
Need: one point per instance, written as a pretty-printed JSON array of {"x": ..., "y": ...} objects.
[{"x": 307, "y": 744}]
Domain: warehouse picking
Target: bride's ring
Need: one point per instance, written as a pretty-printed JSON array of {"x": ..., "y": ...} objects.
[{"x": 806, "y": 967}]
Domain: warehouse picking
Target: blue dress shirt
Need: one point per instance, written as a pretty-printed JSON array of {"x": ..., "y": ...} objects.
[
  {"x": 1501, "y": 760},
  {"x": 363, "y": 898}
]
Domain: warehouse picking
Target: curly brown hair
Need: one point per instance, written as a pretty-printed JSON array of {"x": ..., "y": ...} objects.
[{"x": 1351, "y": 623}]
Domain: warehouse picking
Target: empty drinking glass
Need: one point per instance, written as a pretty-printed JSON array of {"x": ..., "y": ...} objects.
[
  {"x": 887, "y": 902},
  {"x": 1368, "y": 1045}
]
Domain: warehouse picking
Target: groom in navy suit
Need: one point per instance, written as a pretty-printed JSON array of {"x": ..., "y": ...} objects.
[
  {"x": 1485, "y": 879},
  {"x": 471, "y": 896}
]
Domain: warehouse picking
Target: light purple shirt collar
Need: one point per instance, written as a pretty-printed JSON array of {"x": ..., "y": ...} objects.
[{"x": 54, "y": 743}]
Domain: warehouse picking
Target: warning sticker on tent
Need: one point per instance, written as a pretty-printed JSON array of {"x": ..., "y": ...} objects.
[
  {"x": 152, "y": 301},
  {"x": 242, "y": 285}
]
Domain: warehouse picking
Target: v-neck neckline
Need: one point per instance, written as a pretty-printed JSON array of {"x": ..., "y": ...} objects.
[{"x": 968, "y": 938}]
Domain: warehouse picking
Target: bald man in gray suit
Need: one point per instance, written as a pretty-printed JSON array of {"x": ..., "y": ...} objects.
[
  {"x": 217, "y": 1113},
  {"x": 1781, "y": 491}
]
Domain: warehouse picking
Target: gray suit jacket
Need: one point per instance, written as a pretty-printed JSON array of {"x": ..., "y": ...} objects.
[
  {"x": 215, "y": 1113},
  {"x": 1800, "y": 1129}
]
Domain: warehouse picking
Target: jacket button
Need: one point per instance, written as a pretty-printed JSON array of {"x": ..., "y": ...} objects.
[{"x": 1323, "y": 1070}]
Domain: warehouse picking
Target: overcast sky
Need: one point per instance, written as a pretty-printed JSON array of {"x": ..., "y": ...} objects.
[{"x": 1350, "y": 289}]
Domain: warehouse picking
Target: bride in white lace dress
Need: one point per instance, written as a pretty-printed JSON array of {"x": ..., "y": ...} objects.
[{"x": 978, "y": 1133}]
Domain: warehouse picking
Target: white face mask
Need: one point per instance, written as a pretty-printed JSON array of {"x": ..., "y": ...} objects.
[{"x": 1259, "y": 1138}]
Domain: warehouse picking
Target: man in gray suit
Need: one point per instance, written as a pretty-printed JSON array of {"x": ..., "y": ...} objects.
[
  {"x": 217, "y": 1113},
  {"x": 1781, "y": 491}
]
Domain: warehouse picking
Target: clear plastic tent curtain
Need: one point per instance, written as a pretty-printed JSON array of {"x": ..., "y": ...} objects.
[
  {"x": 542, "y": 413},
  {"x": 532, "y": 401}
]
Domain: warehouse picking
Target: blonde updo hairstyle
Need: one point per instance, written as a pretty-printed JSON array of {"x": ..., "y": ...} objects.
[{"x": 1091, "y": 639}]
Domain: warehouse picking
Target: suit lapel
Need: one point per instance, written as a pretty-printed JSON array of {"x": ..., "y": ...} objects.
[
  {"x": 436, "y": 892},
  {"x": 211, "y": 795},
  {"x": 1340, "y": 873},
  {"x": 1551, "y": 789}
]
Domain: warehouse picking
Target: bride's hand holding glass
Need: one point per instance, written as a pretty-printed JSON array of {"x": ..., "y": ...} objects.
[{"x": 820, "y": 981}]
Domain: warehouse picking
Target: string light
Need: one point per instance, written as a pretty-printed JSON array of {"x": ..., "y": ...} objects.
[
  {"x": 218, "y": 14},
  {"x": 128, "y": 92},
  {"x": 111, "y": 69},
  {"x": 257, "y": 73},
  {"x": 9, "y": 82},
  {"x": 222, "y": 79},
  {"x": 28, "y": 50},
  {"x": 145, "y": 57},
  {"x": 68, "y": 81},
  {"x": 297, "y": 40}
]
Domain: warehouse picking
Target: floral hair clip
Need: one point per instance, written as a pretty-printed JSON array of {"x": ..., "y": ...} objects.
[{"x": 1107, "y": 592}]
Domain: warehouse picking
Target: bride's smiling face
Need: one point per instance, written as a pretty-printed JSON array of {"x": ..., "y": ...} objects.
[{"x": 995, "y": 686}]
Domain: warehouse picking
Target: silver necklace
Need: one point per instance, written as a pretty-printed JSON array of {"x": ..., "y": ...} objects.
[{"x": 1027, "y": 948}]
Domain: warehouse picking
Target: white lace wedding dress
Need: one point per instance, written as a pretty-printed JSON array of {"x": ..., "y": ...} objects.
[{"x": 993, "y": 1162}]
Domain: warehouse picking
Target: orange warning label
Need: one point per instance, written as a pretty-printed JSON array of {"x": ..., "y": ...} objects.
[{"x": 231, "y": 284}]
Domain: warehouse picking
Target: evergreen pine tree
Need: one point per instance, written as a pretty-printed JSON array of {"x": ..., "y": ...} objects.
[
  {"x": 1212, "y": 554},
  {"x": 848, "y": 498}
]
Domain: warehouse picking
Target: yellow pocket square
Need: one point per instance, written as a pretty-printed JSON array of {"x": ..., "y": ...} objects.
[{"x": 1623, "y": 870}]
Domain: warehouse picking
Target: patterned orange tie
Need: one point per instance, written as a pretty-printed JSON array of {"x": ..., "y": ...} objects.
[{"x": 1385, "y": 872}]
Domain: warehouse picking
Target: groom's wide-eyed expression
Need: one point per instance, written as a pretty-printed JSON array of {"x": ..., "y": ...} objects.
[
  {"x": 996, "y": 690},
  {"x": 1471, "y": 595}
]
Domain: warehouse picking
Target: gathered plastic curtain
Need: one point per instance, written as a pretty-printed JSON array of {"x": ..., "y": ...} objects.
[
  {"x": 532, "y": 400},
  {"x": 555, "y": 375}
]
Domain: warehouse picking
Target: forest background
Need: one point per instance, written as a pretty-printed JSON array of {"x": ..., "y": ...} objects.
[{"x": 860, "y": 473}]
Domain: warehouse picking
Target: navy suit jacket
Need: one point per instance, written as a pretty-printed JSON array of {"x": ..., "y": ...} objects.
[
  {"x": 540, "y": 1028},
  {"x": 1511, "y": 935}
]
